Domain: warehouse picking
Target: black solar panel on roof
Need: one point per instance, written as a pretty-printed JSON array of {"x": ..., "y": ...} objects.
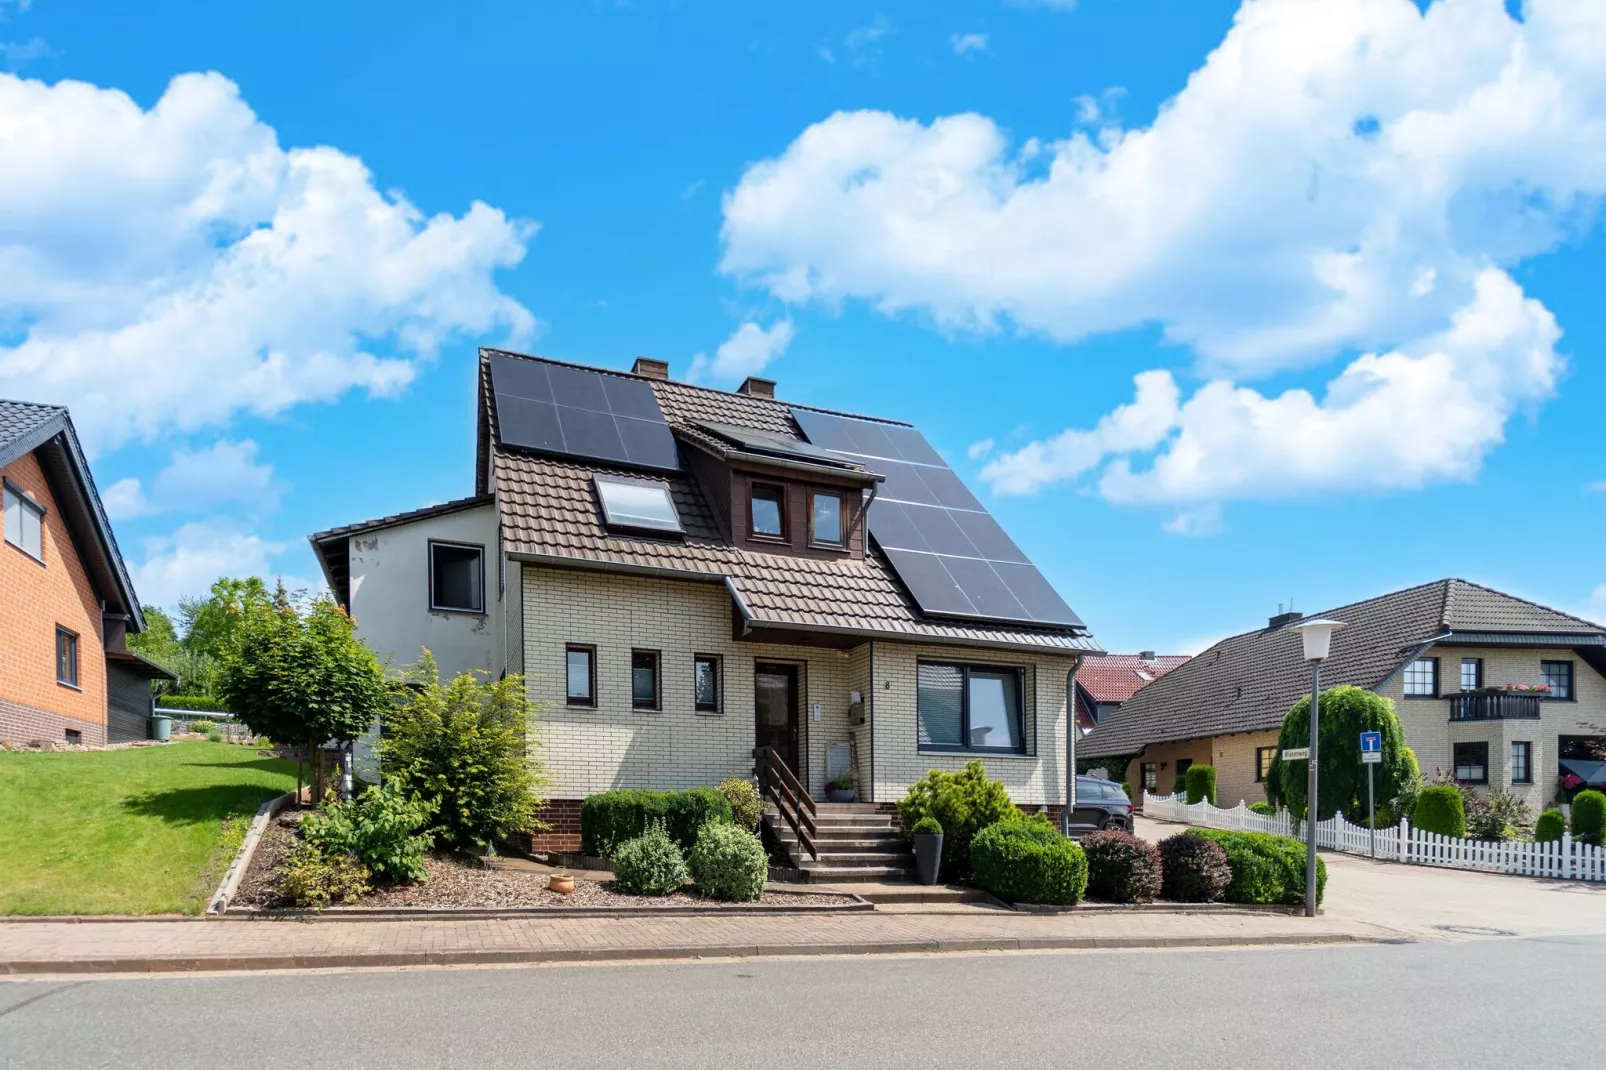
[
  {"x": 946, "y": 548},
  {"x": 756, "y": 441},
  {"x": 575, "y": 412}
]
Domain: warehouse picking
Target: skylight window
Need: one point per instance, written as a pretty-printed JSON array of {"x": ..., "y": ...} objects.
[{"x": 637, "y": 505}]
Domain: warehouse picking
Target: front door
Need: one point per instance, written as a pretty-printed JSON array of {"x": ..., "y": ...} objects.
[{"x": 775, "y": 702}]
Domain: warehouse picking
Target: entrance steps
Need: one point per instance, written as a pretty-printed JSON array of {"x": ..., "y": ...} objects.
[{"x": 856, "y": 844}]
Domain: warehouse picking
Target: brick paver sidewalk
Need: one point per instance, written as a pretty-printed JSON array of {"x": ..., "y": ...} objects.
[{"x": 124, "y": 946}]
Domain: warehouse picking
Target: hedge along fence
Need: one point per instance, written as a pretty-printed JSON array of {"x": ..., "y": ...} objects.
[
  {"x": 609, "y": 819},
  {"x": 197, "y": 703},
  {"x": 1562, "y": 859},
  {"x": 1266, "y": 868}
]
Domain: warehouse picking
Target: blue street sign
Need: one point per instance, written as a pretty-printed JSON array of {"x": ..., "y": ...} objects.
[{"x": 1371, "y": 741}]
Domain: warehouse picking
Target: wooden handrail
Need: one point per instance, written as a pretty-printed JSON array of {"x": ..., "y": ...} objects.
[{"x": 794, "y": 804}]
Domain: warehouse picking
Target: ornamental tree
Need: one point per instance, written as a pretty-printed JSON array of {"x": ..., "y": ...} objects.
[
  {"x": 300, "y": 676},
  {"x": 1346, "y": 712}
]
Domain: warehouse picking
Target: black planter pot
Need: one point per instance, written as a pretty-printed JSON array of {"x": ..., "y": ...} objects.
[
  {"x": 840, "y": 794},
  {"x": 928, "y": 856}
]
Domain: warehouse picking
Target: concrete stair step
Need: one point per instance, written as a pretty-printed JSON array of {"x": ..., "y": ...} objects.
[
  {"x": 816, "y": 874},
  {"x": 867, "y": 858},
  {"x": 890, "y": 845}
]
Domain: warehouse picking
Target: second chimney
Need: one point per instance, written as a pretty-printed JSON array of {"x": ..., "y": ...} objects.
[
  {"x": 648, "y": 368},
  {"x": 753, "y": 386},
  {"x": 1282, "y": 619}
]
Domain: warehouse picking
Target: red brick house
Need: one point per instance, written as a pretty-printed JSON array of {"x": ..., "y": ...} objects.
[
  {"x": 66, "y": 673},
  {"x": 1105, "y": 683}
]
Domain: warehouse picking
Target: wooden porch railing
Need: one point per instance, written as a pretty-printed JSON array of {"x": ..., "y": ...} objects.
[{"x": 778, "y": 784}]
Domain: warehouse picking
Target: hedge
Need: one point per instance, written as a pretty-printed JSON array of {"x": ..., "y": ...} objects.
[
  {"x": 1551, "y": 825},
  {"x": 200, "y": 703},
  {"x": 1439, "y": 809},
  {"x": 1589, "y": 817},
  {"x": 1193, "y": 869},
  {"x": 1121, "y": 868},
  {"x": 1026, "y": 861},
  {"x": 1265, "y": 868},
  {"x": 613, "y": 817},
  {"x": 1201, "y": 781},
  {"x": 1265, "y": 809}
]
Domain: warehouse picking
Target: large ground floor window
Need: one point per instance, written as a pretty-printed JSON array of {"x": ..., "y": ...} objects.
[{"x": 970, "y": 708}]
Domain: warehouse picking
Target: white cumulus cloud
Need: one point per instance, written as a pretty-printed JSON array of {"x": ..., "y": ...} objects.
[
  {"x": 748, "y": 351},
  {"x": 167, "y": 268},
  {"x": 963, "y": 43},
  {"x": 1335, "y": 179},
  {"x": 189, "y": 560},
  {"x": 198, "y": 479}
]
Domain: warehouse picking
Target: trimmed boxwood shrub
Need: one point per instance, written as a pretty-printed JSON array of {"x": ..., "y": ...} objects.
[
  {"x": 965, "y": 803},
  {"x": 1029, "y": 862},
  {"x": 1439, "y": 809},
  {"x": 1193, "y": 869},
  {"x": 1265, "y": 868},
  {"x": 1201, "y": 781},
  {"x": 1265, "y": 809},
  {"x": 729, "y": 863},
  {"x": 927, "y": 826},
  {"x": 650, "y": 864},
  {"x": 1121, "y": 868},
  {"x": 1589, "y": 817},
  {"x": 612, "y": 817},
  {"x": 1550, "y": 826}
]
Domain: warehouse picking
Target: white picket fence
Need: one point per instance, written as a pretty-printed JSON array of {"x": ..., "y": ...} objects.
[{"x": 1561, "y": 859}]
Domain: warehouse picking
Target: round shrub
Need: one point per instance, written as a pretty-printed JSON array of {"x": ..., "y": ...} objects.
[
  {"x": 1589, "y": 817},
  {"x": 1439, "y": 809},
  {"x": 1121, "y": 868},
  {"x": 1550, "y": 826},
  {"x": 1265, "y": 868},
  {"x": 1265, "y": 809},
  {"x": 927, "y": 826},
  {"x": 1201, "y": 780},
  {"x": 1029, "y": 862},
  {"x": 964, "y": 803},
  {"x": 1193, "y": 869},
  {"x": 746, "y": 806},
  {"x": 729, "y": 863},
  {"x": 650, "y": 864}
]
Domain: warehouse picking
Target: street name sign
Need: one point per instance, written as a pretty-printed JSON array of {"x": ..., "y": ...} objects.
[{"x": 1296, "y": 754}]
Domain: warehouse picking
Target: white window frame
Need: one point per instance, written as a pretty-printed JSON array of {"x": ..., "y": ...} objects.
[
  {"x": 1406, "y": 683},
  {"x": 25, "y": 504}
]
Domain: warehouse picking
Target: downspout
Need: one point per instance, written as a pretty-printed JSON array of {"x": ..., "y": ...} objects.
[
  {"x": 1070, "y": 746},
  {"x": 741, "y": 606}
]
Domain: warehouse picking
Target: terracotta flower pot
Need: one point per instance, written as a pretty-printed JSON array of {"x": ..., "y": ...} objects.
[{"x": 562, "y": 883}]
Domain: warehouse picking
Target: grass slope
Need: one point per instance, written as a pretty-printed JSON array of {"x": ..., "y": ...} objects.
[{"x": 138, "y": 831}]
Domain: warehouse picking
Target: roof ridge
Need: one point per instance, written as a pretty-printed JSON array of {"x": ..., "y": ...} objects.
[
  {"x": 1519, "y": 598},
  {"x": 682, "y": 385}
]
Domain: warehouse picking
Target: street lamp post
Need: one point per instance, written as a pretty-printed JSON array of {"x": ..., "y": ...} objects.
[{"x": 1318, "y": 637}]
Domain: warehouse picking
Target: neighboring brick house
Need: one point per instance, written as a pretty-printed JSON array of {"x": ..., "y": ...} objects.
[
  {"x": 1444, "y": 653},
  {"x": 66, "y": 674},
  {"x": 1106, "y": 682},
  {"x": 683, "y": 574}
]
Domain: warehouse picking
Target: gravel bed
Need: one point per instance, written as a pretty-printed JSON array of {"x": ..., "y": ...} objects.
[{"x": 457, "y": 882}]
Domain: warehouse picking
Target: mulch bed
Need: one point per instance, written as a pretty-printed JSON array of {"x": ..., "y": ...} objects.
[{"x": 456, "y": 882}]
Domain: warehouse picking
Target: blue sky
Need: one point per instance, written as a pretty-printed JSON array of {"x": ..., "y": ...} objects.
[{"x": 1351, "y": 252}]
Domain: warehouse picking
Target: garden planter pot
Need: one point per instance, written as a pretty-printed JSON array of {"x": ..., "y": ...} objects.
[
  {"x": 562, "y": 883},
  {"x": 840, "y": 794},
  {"x": 928, "y": 856}
]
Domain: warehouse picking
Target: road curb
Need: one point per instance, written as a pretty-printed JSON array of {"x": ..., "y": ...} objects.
[{"x": 223, "y": 963}]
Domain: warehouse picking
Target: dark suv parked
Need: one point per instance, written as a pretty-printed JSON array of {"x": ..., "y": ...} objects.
[{"x": 1100, "y": 804}]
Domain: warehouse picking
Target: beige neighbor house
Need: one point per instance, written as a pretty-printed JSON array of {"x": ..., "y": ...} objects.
[
  {"x": 1503, "y": 693},
  {"x": 686, "y": 574}
]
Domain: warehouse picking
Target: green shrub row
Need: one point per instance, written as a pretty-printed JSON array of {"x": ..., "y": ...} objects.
[
  {"x": 1265, "y": 868},
  {"x": 726, "y": 862},
  {"x": 613, "y": 817},
  {"x": 1026, "y": 861},
  {"x": 200, "y": 703}
]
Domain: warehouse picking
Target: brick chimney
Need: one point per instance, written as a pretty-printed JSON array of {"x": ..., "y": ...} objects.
[
  {"x": 753, "y": 386},
  {"x": 648, "y": 368},
  {"x": 1282, "y": 619}
]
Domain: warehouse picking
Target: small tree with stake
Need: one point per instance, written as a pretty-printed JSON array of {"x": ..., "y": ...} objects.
[{"x": 300, "y": 676}]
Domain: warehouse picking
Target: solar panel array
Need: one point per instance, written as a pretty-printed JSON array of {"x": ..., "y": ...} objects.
[
  {"x": 575, "y": 412},
  {"x": 755, "y": 441},
  {"x": 946, "y": 548}
]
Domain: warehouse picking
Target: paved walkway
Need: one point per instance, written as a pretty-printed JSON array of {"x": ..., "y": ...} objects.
[{"x": 136, "y": 946}]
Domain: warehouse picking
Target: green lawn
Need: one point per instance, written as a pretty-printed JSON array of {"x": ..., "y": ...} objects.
[{"x": 137, "y": 831}]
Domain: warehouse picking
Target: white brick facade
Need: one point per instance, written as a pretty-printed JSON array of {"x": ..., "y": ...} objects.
[{"x": 614, "y": 745}]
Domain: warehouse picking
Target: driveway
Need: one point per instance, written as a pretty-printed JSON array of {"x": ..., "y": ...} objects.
[{"x": 1426, "y": 902}]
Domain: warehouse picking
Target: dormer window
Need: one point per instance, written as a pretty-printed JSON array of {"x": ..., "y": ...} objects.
[
  {"x": 639, "y": 505},
  {"x": 766, "y": 511},
  {"x": 825, "y": 519}
]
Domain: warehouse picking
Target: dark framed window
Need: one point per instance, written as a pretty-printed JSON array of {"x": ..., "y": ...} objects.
[
  {"x": 1472, "y": 763},
  {"x": 1422, "y": 678},
  {"x": 825, "y": 519},
  {"x": 969, "y": 708},
  {"x": 1263, "y": 757},
  {"x": 1522, "y": 765},
  {"x": 706, "y": 683},
  {"x": 456, "y": 577},
  {"x": 580, "y": 675},
  {"x": 1559, "y": 675},
  {"x": 1151, "y": 776},
  {"x": 766, "y": 511},
  {"x": 24, "y": 521},
  {"x": 1471, "y": 674},
  {"x": 66, "y": 657},
  {"x": 644, "y": 690}
]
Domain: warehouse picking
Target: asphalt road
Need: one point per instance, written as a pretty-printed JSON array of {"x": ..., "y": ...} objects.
[{"x": 1502, "y": 1002}]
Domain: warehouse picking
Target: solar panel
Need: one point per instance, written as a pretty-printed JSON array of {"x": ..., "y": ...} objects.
[
  {"x": 946, "y": 548},
  {"x": 756, "y": 441},
  {"x": 576, "y": 412}
]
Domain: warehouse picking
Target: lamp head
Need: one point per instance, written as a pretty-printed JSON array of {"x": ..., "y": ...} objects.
[{"x": 1317, "y": 635}]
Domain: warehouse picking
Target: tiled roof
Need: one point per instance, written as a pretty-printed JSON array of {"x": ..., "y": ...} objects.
[
  {"x": 1117, "y": 677},
  {"x": 548, "y": 512},
  {"x": 21, "y": 423},
  {"x": 443, "y": 508},
  {"x": 1248, "y": 682}
]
